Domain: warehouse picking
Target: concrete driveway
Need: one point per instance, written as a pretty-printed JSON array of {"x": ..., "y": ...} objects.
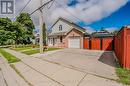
[
  {"x": 94, "y": 62},
  {"x": 67, "y": 67}
]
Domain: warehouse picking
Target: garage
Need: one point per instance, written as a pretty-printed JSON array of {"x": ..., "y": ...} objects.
[{"x": 74, "y": 42}]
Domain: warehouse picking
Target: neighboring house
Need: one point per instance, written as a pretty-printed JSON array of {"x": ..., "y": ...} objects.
[
  {"x": 101, "y": 34},
  {"x": 66, "y": 34},
  {"x": 36, "y": 35}
]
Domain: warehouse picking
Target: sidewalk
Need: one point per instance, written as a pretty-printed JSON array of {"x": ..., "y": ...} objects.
[
  {"x": 62, "y": 75},
  {"x": 8, "y": 76},
  {"x": 39, "y": 72},
  {"x": 33, "y": 77},
  {"x": 2, "y": 81}
]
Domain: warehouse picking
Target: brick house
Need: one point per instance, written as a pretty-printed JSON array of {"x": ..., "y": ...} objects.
[{"x": 66, "y": 34}]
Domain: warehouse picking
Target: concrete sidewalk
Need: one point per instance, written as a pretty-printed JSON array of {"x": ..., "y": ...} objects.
[
  {"x": 63, "y": 75},
  {"x": 9, "y": 76},
  {"x": 33, "y": 77},
  {"x": 41, "y": 72},
  {"x": 2, "y": 81}
]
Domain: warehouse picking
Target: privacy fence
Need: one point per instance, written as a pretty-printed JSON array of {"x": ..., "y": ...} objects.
[
  {"x": 120, "y": 44},
  {"x": 98, "y": 43},
  {"x": 122, "y": 47}
]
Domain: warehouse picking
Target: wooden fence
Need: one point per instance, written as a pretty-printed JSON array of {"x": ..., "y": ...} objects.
[
  {"x": 98, "y": 43},
  {"x": 122, "y": 47}
]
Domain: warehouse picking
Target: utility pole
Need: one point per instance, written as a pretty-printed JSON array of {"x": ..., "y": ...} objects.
[{"x": 41, "y": 21}]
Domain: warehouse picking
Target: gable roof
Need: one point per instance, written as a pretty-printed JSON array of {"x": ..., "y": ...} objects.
[{"x": 71, "y": 23}]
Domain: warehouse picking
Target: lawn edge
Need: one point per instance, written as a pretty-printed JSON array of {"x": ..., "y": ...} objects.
[{"x": 19, "y": 73}]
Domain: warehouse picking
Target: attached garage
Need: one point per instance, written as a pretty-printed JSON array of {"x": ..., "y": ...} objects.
[{"x": 74, "y": 42}]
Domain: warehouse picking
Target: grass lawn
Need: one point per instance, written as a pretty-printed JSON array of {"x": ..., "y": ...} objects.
[
  {"x": 22, "y": 48},
  {"x": 124, "y": 75},
  {"x": 9, "y": 57},
  {"x": 30, "y": 52}
]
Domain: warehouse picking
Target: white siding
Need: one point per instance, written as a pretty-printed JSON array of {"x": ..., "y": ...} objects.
[{"x": 65, "y": 27}]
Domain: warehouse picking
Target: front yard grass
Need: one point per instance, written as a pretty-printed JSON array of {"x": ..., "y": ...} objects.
[
  {"x": 24, "y": 47},
  {"x": 9, "y": 57},
  {"x": 20, "y": 49},
  {"x": 30, "y": 52},
  {"x": 124, "y": 75}
]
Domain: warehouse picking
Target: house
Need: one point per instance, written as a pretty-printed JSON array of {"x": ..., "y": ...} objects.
[
  {"x": 66, "y": 34},
  {"x": 99, "y": 40},
  {"x": 101, "y": 34},
  {"x": 36, "y": 36}
]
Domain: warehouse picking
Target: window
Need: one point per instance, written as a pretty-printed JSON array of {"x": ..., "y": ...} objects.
[
  {"x": 60, "y": 27},
  {"x": 61, "y": 39}
]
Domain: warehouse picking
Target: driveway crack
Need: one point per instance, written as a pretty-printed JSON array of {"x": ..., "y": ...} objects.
[
  {"x": 76, "y": 69},
  {"x": 42, "y": 74},
  {"x": 4, "y": 78},
  {"x": 82, "y": 79}
]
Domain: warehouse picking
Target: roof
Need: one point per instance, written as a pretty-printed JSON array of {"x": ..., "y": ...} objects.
[
  {"x": 102, "y": 34},
  {"x": 87, "y": 34},
  {"x": 71, "y": 23}
]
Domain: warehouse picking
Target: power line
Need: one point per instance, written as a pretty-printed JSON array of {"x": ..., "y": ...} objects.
[
  {"x": 39, "y": 8},
  {"x": 25, "y": 5},
  {"x": 23, "y": 8},
  {"x": 69, "y": 12},
  {"x": 51, "y": 4}
]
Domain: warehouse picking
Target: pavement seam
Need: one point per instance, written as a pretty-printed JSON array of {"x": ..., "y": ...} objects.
[
  {"x": 77, "y": 69},
  {"x": 82, "y": 79},
  {"x": 10, "y": 72},
  {"x": 34, "y": 68},
  {"x": 4, "y": 78},
  {"x": 18, "y": 72},
  {"x": 74, "y": 68},
  {"x": 42, "y": 73}
]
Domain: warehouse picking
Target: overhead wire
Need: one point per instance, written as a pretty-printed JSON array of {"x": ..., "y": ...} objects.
[
  {"x": 23, "y": 8},
  {"x": 51, "y": 4},
  {"x": 41, "y": 7}
]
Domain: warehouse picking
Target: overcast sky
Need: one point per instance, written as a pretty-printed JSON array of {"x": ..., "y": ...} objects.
[{"x": 86, "y": 11}]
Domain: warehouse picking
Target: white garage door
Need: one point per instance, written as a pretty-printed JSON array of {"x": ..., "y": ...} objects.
[{"x": 74, "y": 42}]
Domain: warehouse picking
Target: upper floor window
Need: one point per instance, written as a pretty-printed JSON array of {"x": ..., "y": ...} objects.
[{"x": 60, "y": 27}]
